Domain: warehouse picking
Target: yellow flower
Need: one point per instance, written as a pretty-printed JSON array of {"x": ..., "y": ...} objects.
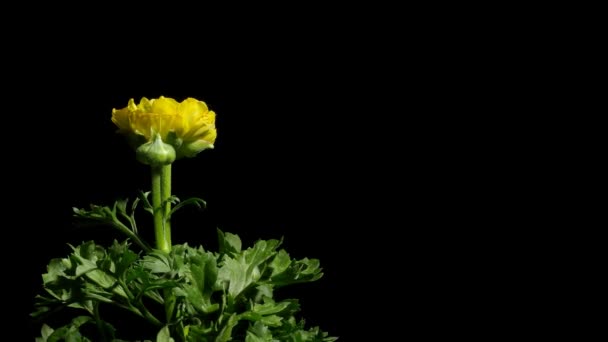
[{"x": 188, "y": 126}]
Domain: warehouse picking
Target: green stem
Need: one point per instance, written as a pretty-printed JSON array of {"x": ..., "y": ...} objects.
[
  {"x": 161, "y": 192},
  {"x": 122, "y": 284},
  {"x": 143, "y": 312},
  {"x": 121, "y": 227},
  {"x": 159, "y": 226},
  {"x": 165, "y": 191},
  {"x": 165, "y": 194},
  {"x": 150, "y": 317},
  {"x": 98, "y": 321}
]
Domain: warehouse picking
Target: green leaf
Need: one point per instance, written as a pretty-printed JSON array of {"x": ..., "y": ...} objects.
[
  {"x": 200, "y": 269},
  {"x": 70, "y": 332},
  {"x": 300, "y": 271},
  {"x": 85, "y": 266},
  {"x": 135, "y": 203},
  {"x": 40, "y": 310},
  {"x": 45, "y": 331},
  {"x": 103, "y": 279},
  {"x": 86, "y": 304},
  {"x": 157, "y": 262},
  {"x": 244, "y": 269},
  {"x": 143, "y": 196},
  {"x": 122, "y": 257},
  {"x": 198, "y": 202},
  {"x": 268, "y": 313},
  {"x": 55, "y": 269},
  {"x": 280, "y": 262},
  {"x": 270, "y": 307},
  {"x": 88, "y": 256},
  {"x": 97, "y": 213},
  {"x": 228, "y": 243},
  {"x": 225, "y": 334},
  {"x": 197, "y": 333},
  {"x": 272, "y": 320},
  {"x": 164, "y": 335},
  {"x": 295, "y": 332},
  {"x": 259, "y": 333},
  {"x": 115, "y": 218},
  {"x": 264, "y": 290},
  {"x": 121, "y": 204}
]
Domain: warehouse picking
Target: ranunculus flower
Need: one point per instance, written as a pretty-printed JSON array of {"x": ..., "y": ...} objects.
[{"x": 188, "y": 126}]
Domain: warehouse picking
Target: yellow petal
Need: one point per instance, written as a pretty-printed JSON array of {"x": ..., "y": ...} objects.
[
  {"x": 199, "y": 133},
  {"x": 209, "y": 119},
  {"x": 145, "y": 105},
  {"x": 198, "y": 119},
  {"x": 189, "y": 110},
  {"x": 211, "y": 136},
  {"x": 142, "y": 123},
  {"x": 191, "y": 101},
  {"x": 131, "y": 106},
  {"x": 164, "y": 106},
  {"x": 156, "y": 116},
  {"x": 121, "y": 119}
]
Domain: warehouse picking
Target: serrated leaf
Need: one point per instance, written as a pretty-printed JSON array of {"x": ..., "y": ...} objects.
[
  {"x": 259, "y": 333},
  {"x": 85, "y": 305},
  {"x": 157, "y": 262},
  {"x": 268, "y": 313},
  {"x": 198, "y": 202},
  {"x": 242, "y": 270},
  {"x": 196, "y": 300},
  {"x": 121, "y": 256},
  {"x": 280, "y": 262},
  {"x": 98, "y": 213},
  {"x": 229, "y": 243},
  {"x": 121, "y": 205},
  {"x": 80, "y": 320},
  {"x": 295, "y": 332},
  {"x": 106, "y": 281},
  {"x": 201, "y": 271},
  {"x": 164, "y": 335},
  {"x": 89, "y": 251},
  {"x": 40, "y": 310},
  {"x": 199, "y": 333},
  {"x": 135, "y": 203},
  {"x": 85, "y": 266},
  {"x": 300, "y": 271},
  {"x": 234, "y": 273},
  {"x": 55, "y": 268},
  {"x": 70, "y": 332},
  {"x": 272, "y": 320},
  {"x": 264, "y": 290},
  {"x": 45, "y": 332},
  {"x": 270, "y": 307},
  {"x": 143, "y": 196},
  {"x": 225, "y": 334}
]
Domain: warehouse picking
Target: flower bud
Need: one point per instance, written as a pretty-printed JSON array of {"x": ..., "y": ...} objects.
[{"x": 156, "y": 153}]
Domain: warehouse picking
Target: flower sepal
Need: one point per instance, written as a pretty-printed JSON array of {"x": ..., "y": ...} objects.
[
  {"x": 155, "y": 152},
  {"x": 192, "y": 149}
]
